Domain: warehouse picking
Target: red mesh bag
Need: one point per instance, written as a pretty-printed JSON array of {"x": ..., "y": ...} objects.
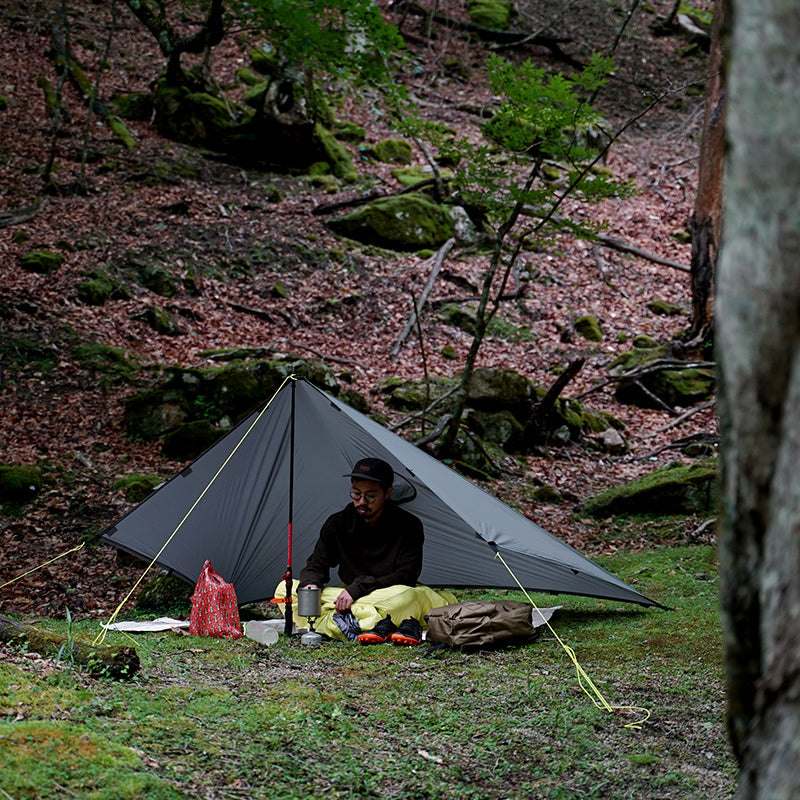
[{"x": 215, "y": 610}]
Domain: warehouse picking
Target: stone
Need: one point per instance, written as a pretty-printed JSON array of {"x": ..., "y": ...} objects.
[
  {"x": 41, "y": 262},
  {"x": 393, "y": 151},
  {"x": 612, "y": 442},
  {"x": 588, "y": 326},
  {"x": 404, "y": 222}
]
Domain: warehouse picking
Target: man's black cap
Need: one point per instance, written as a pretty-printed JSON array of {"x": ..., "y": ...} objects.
[{"x": 373, "y": 469}]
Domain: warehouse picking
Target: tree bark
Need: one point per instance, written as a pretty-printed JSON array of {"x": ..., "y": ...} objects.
[
  {"x": 706, "y": 222},
  {"x": 758, "y": 342},
  {"x": 111, "y": 662}
]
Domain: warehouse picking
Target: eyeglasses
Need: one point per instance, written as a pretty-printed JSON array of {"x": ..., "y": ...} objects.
[{"x": 370, "y": 497}]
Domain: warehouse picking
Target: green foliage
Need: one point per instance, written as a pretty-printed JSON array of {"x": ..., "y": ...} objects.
[
  {"x": 340, "y": 37},
  {"x": 545, "y": 120}
]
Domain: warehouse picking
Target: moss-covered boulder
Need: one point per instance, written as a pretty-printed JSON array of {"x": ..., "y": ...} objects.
[
  {"x": 406, "y": 222},
  {"x": 494, "y": 14},
  {"x": 334, "y": 154},
  {"x": 190, "y": 439},
  {"x": 348, "y": 132},
  {"x": 675, "y": 490},
  {"x": 133, "y": 105},
  {"x": 461, "y": 317},
  {"x": 137, "y": 487},
  {"x": 500, "y": 427},
  {"x": 19, "y": 483},
  {"x": 99, "y": 287},
  {"x": 158, "y": 280},
  {"x": 392, "y": 151},
  {"x": 409, "y": 176},
  {"x": 588, "y": 326},
  {"x": 220, "y": 395},
  {"x": 195, "y": 118},
  {"x": 492, "y": 389},
  {"x": 42, "y": 262},
  {"x": 663, "y": 308},
  {"x": 161, "y": 321},
  {"x": 675, "y": 387}
]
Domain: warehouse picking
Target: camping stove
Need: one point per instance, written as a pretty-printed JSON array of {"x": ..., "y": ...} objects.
[{"x": 309, "y": 605}]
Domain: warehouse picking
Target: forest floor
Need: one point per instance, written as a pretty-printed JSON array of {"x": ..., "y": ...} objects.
[{"x": 195, "y": 212}]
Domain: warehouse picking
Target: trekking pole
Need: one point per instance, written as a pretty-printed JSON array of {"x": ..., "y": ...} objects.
[{"x": 289, "y": 616}]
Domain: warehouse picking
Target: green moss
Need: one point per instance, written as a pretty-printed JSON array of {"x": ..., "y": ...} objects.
[
  {"x": 678, "y": 490},
  {"x": 405, "y": 222},
  {"x": 393, "y": 151},
  {"x": 42, "y": 262},
  {"x": 335, "y": 154},
  {"x": 589, "y": 327},
  {"x": 19, "y": 483},
  {"x": 494, "y": 14},
  {"x": 137, "y": 487}
]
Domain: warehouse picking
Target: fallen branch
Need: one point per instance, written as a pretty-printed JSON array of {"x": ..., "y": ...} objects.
[
  {"x": 625, "y": 247},
  {"x": 657, "y": 365},
  {"x": 542, "y": 410},
  {"x": 111, "y": 662},
  {"x": 438, "y": 259},
  {"x": 8, "y": 218}
]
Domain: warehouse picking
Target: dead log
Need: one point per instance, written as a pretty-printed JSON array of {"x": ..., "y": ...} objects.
[{"x": 111, "y": 662}]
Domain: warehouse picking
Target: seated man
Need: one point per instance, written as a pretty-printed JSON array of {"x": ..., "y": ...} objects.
[{"x": 377, "y": 547}]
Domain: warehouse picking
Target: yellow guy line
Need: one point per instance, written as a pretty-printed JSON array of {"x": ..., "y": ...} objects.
[
  {"x": 594, "y": 694},
  {"x": 102, "y": 635},
  {"x": 24, "y": 574}
]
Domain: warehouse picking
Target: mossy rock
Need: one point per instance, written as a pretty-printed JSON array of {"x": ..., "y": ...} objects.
[
  {"x": 249, "y": 77},
  {"x": 676, "y": 490},
  {"x": 494, "y": 14},
  {"x": 137, "y": 487},
  {"x": 4, "y": 104},
  {"x": 217, "y": 394},
  {"x": 547, "y": 495},
  {"x": 41, "y": 262},
  {"x": 589, "y": 327},
  {"x": 677, "y": 388},
  {"x": 404, "y": 222},
  {"x": 349, "y": 132},
  {"x": 113, "y": 363},
  {"x": 393, "y": 151},
  {"x": 492, "y": 389},
  {"x": 189, "y": 440},
  {"x": 663, "y": 308},
  {"x": 134, "y": 105},
  {"x": 265, "y": 62},
  {"x": 161, "y": 321},
  {"x": 195, "y": 118},
  {"x": 500, "y": 427},
  {"x": 19, "y": 483},
  {"x": 459, "y": 317},
  {"x": 410, "y": 176},
  {"x": 236, "y": 391},
  {"x": 341, "y": 164},
  {"x": 165, "y": 594},
  {"x": 158, "y": 280},
  {"x": 644, "y": 342},
  {"x": 99, "y": 288}
]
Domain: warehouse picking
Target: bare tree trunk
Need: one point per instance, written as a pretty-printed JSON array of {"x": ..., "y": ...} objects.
[
  {"x": 758, "y": 341},
  {"x": 706, "y": 222}
]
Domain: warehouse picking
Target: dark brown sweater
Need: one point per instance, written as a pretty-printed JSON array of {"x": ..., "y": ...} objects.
[{"x": 368, "y": 556}]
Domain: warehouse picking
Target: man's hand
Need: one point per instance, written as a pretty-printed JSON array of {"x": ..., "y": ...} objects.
[{"x": 343, "y": 601}]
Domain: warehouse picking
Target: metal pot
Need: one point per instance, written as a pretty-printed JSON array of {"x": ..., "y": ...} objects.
[{"x": 309, "y": 602}]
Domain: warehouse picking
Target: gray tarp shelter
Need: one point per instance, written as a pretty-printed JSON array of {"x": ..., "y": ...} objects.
[{"x": 232, "y": 506}]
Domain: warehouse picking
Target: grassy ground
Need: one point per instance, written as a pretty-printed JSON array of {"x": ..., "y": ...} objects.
[{"x": 234, "y": 719}]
